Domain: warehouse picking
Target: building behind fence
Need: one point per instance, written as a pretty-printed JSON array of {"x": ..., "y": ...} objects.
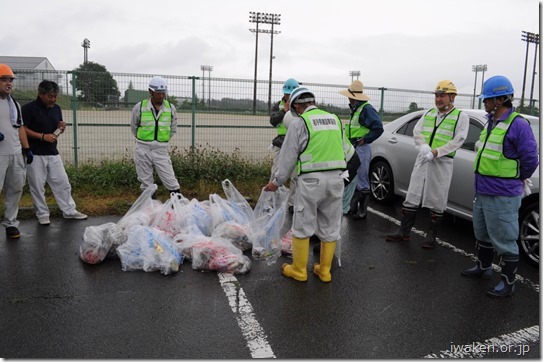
[{"x": 216, "y": 113}]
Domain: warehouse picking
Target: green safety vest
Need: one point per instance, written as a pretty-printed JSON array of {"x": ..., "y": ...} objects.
[
  {"x": 324, "y": 149},
  {"x": 281, "y": 129},
  {"x": 438, "y": 136},
  {"x": 355, "y": 129},
  {"x": 151, "y": 129},
  {"x": 490, "y": 160}
]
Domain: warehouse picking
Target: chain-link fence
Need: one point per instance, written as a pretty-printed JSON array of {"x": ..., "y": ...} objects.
[{"x": 229, "y": 115}]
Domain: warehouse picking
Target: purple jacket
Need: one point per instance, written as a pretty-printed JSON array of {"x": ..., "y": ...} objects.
[{"x": 520, "y": 144}]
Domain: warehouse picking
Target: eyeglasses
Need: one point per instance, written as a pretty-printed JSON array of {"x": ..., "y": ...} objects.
[{"x": 6, "y": 79}]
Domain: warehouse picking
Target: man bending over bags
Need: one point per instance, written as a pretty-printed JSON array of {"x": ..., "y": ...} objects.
[{"x": 316, "y": 146}]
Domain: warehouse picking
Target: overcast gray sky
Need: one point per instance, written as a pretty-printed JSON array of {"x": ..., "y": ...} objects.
[{"x": 394, "y": 43}]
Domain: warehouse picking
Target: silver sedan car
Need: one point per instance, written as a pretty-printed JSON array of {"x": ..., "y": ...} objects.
[{"x": 393, "y": 157}]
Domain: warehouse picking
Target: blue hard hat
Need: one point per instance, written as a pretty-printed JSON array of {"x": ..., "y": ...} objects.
[
  {"x": 289, "y": 85},
  {"x": 496, "y": 86}
]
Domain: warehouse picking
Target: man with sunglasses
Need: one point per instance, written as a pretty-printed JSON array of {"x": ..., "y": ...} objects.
[{"x": 13, "y": 146}]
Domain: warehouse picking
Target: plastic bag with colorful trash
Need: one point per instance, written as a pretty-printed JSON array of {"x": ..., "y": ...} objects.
[
  {"x": 234, "y": 232},
  {"x": 96, "y": 243},
  {"x": 143, "y": 211},
  {"x": 169, "y": 217},
  {"x": 243, "y": 210},
  {"x": 266, "y": 226},
  {"x": 149, "y": 249},
  {"x": 212, "y": 254}
]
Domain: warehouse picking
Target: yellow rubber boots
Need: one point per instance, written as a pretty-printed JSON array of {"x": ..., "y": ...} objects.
[
  {"x": 326, "y": 257},
  {"x": 300, "y": 253}
]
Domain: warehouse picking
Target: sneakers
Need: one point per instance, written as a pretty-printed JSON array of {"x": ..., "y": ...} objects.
[
  {"x": 76, "y": 215},
  {"x": 44, "y": 220},
  {"x": 12, "y": 232}
]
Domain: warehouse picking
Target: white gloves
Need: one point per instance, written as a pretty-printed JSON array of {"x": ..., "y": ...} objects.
[
  {"x": 345, "y": 175},
  {"x": 526, "y": 187},
  {"x": 429, "y": 156},
  {"x": 424, "y": 149}
]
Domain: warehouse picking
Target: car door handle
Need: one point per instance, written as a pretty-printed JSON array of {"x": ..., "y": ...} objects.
[{"x": 392, "y": 140}]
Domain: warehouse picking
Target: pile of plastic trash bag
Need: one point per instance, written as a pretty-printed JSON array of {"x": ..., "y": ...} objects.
[{"x": 214, "y": 235}]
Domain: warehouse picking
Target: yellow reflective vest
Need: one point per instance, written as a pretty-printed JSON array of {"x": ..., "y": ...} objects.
[
  {"x": 490, "y": 160},
  {"x": 444, "y": 133},
  {"x": 281, "y": 129},
  {"x": 354, "y": 129},
  {"x": 324, "y": 149},
  {"x": 151, "y": 129}
]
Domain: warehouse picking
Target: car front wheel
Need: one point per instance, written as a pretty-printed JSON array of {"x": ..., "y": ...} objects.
[
  {"x": 529, "y": 232},
  {"x": 381, "y": 182}
]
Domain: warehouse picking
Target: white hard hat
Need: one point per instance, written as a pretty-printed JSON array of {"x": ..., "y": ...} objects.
[
  {"x": 158, "y": 84},
  {"x": 295, "y": 96}
]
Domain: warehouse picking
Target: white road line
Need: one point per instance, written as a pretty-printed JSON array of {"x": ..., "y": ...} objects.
[
  {"x": 513, "y": 343},
  {"x": 254, "y": 335},
  {"x": 520, "y": 279}
]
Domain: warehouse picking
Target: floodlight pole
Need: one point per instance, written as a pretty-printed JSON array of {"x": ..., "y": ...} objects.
[
  {"x": 354, "y": 73},
  {"x": 86, "y": 46},
  {"x": 532, "y": 102},
  {"x": 265, "y": 18},
  {"x": 528, "y": 38},
  {"x": 274, "y": 20},
  {"x": 207, "y": 68},
  {"x": 202, "y": 68},
  {"x": 255, "y": 18},
  {"x": 474, "y": 68},
  {"x": 484, "y": 69}
]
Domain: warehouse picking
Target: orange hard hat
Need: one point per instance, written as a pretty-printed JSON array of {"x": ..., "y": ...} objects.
[{"x": 5, "y": 71}]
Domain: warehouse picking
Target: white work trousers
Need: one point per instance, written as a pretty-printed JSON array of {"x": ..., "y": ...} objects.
[
  {"x": 12, "y": 180},
  {"x": 318, "y": 205},
  {"x": 429, "y": 184},
  {"x": 51, "y": 170},
  {"x": 154, "y": 155}
]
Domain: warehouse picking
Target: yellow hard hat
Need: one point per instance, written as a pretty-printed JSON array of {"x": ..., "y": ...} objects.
[
  {"x": 446, "y": 86},
  {"x": 5, "y": 71}
]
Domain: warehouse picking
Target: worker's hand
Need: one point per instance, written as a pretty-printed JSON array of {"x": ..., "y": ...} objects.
[
  {"x": 345, "y": 175},
  {"x": 49, "y": 137},
  {"x": 1, "y": 136},
  {"x": 526, "y": 187},
  {"x": 429, "y": 156},
  {"x": 424, "y": 149},
  {"x": 29, "y": 155},
  {"x": 270, "y": 187}
]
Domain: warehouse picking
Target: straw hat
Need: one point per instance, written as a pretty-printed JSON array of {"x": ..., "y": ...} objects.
[{"x": 355, "y": 91}]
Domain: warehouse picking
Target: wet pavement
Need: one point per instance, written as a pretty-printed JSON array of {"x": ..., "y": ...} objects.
[{"x": 388, "y": 300}]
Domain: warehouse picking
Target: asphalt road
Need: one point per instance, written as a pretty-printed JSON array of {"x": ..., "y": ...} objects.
[{"x": 388, "y": 300}]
